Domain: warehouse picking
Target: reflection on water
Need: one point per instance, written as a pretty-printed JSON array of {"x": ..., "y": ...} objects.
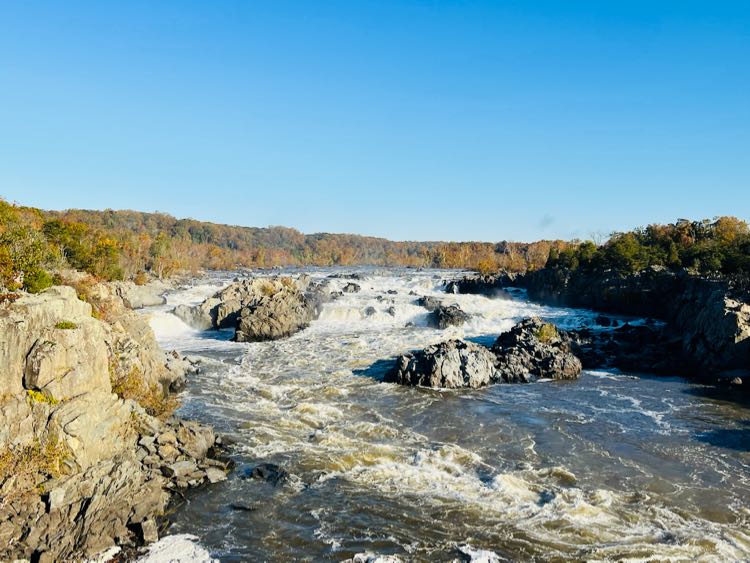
[{"x": 608, "y": 467}]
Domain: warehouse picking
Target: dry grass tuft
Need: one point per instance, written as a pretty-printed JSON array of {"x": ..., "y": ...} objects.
[
  {"x": 152, "y": 398},
  {"x": 24, "y": 467},
  {"x": 267, "y": 288}
]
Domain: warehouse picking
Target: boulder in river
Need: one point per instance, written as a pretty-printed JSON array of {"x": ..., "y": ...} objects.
[
  {"x": 448, "y": 315},
  {"x": 259, "y": 308},
  {"x": 441, "y": 315},
  {"x": 534, "y": 349},
  {"x": 452, "y": 364},
  {"x": 351, "y": 287},
  {"x": 428, "y": 302},
  {"x": 274, "y": 315}
]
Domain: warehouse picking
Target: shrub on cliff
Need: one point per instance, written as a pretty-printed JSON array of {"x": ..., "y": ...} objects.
[{"x": 37, "y": 280}]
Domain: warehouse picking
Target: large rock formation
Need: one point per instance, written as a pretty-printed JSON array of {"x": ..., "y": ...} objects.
[
  {"x": 707, "y": 316},
  {"x": 132, "y": 346},
  {"x": 274, "y": 316},
  {"x": 639, "y": 348},
  {"x": 534, "y": 349},
  {"x": 452, "y": 364},
  {"x": 258, "y": 308},
  {"x": 80, "y": 467},
  {"x": 140, "y": 296}
]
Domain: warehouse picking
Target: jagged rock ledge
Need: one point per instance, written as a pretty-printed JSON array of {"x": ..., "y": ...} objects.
[
  {"x": 708, "y": 321},
  {"x": 89, "y": 454},
  {"x": 531, "y": 350},
  {"x": 259, "y": 309}
]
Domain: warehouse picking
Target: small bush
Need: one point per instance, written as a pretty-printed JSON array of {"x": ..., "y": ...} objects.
[
  {"x": 66, "y": 325},
  {"x": 37, "y": 280},
  {"x": 487, "y": 266},
  {"x": 158, "y": 403},
  {"x": 40, "y": 397},
  {"x": 547, "y": 333}
]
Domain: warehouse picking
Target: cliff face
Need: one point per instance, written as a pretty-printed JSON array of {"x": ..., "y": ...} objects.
[
  {"x": 712, "y": 325},
  {"x": 80, "y": 467}
]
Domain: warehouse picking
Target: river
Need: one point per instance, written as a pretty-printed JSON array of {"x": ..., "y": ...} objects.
[{"x": 612, "y": 466}]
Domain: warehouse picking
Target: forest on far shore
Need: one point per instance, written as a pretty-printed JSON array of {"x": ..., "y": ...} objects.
[
  {"x": 132, "y": 245},
  {"x": 115, "y": 245}
]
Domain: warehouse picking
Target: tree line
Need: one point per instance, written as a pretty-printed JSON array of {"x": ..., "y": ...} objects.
[
  {"x": 709, "y": 247},
  {"x": 115, "y": 245}
]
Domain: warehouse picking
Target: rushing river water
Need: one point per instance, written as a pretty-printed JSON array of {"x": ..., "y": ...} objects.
[{"x": 612, "y": 466}]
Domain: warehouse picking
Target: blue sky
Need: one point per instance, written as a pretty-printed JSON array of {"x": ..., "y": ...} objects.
[{"x": 411, "y": 120}]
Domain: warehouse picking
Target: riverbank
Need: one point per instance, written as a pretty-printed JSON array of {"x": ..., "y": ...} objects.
[{"x": 90, "y": 452}]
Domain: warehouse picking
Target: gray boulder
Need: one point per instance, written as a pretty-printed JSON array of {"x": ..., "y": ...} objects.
[
  {"x": 428, "y": 302},
  {"x": 448, "y": 315},
  {"x": 453, "y": 364},
  {"x": 274, "y": 315},
  {"x": 533, "y": 349},
  {"x": 441, "y": 315},
  {"x": 259, "y": 308},
  {"x": 140, "y": 296}
]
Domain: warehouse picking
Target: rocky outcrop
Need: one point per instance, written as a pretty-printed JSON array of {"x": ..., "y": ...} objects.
[
  {"x": 533, "y": 349},
  {"x": 81, "y": 468},
  {"x": 132, "y": 346},
  {"x": 713, "y": 326},
  {"x": 259, "y": 308},
  {"x": 139, "y": 296},
  {"x": 490, "y": 284},
  {"x": 447, "y": 315},
  {"x": 441, "y": 315},
  {"x": 639, "y": 348},
  {"x": 453, "y": 364},
  {"x": 274, "y": 316},
  {"x": 707, "y": 316},
  {"x": 428, "y": 302}
]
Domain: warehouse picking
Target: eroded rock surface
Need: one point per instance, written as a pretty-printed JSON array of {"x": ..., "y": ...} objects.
[
  {"x": 83, "y": 469},
  {"x": 259, "y": 308},
  {"x": 441, "y": 315},
  {"x": 534, "y": 349},
  {"x": 453, "y": 364}
]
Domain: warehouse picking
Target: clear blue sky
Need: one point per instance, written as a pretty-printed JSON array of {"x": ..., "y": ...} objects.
[{"x": 411, "y": 120}]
